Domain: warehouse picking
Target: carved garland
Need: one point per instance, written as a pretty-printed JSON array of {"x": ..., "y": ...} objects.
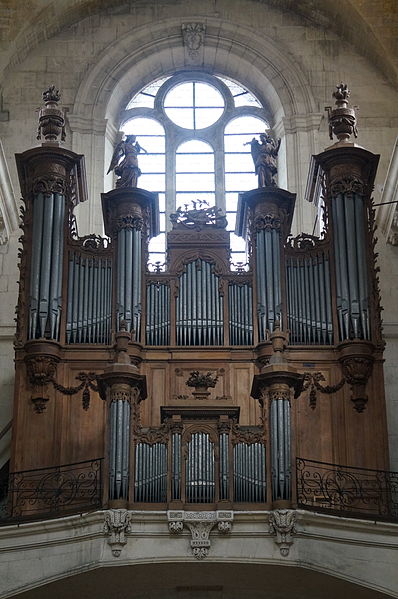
[{"x": 312, "y": 382}]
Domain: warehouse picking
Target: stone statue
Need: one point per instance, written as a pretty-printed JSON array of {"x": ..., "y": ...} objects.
[
  {"x": 264, "y": 156},
  {"x": 127, "y": 170}
]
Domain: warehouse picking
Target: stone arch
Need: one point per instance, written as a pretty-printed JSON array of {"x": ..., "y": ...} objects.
[{"x": 152, "y": 51}]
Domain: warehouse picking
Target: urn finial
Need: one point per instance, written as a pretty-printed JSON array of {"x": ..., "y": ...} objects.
[
  {"x": 51, "y": 118},
  {"x": 342, "y": 119}
]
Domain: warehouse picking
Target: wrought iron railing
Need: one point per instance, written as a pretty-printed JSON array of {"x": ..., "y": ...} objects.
[
  {"x": 51, "y": 492},
  {"x": 347, "y": 491}
]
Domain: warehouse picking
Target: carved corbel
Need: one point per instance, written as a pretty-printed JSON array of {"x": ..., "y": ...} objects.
[
  {"x": 356, "y": 359},
  {"x": 41, "y": 361},
  {"x": 200, "y": 524},
  {"x": 282, "y": 524},
  {"x": 116, "y": 525}
]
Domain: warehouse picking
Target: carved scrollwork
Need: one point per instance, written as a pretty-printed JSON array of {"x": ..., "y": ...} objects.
[
  {"x": 49, "y": 185},
  {"x": 305, "y": 243},
  {"x": 129, "y": 221},
  {"x": 347, "y": 184},
  {"x": 248, "y": 435},
  {"x": 92, "y": 243},
  {"x": 199, "y": 216},
  {"x": 153, "y": 435},
  {"x": 266, "y": 222}
]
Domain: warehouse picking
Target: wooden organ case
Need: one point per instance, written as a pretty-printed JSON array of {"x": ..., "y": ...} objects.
[{"x": 198, "y": 385}]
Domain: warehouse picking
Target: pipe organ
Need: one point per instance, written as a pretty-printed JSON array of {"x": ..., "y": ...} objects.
[{"x": 201, "y": 384}]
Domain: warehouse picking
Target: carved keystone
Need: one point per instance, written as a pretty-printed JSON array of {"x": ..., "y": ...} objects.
[
  {"x": 200, "y": 525},
  {"x": 116, "y": 525}
]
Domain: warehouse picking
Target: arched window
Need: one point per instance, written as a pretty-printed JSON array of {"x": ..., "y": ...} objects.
[{"x": 195, "y": 127}]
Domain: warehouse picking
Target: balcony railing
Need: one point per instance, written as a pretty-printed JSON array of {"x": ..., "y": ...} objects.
[
  {"x": 51, "y": 492},
  {"x": 199, "y": 478},
  {"x": 347, "y": 491}
]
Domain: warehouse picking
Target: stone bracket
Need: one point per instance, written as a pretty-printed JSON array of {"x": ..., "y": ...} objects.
[
  {"x": 282, "y": 524},
  {"x": 116, "y": 524},
  {"x": 200, "y": 525}
]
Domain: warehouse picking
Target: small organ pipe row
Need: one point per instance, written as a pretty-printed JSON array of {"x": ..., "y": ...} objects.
[
  {"x": 198, "y": 470},
  {"x": 280, "y": 449},
  {"x": 119, "y": 461},
  {"x": 89, "y": 311},
  {"x": 151, "y": 473},
  {"x": 158, "y": 314},
  {"x": 240, "y": 305},
  {"x": 268, "y": 280},
  {"x": 46, "y": 266},
  {"x": 249, "y": 472},
  {"x": 199, "y": 306},
  {"x": 128, "y": 287},
  {"x": 350, "y": 263},
  {"x": 309, "y": 306}
]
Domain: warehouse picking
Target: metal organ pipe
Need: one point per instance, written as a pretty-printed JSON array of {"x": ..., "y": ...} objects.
[
  {"x": 46, "y": 266},
  {"x": 352, "y": 288},
  {"x": 268, "y": 279},
  {"x": 89, "y": 312},
  {"x": 199, "y": 306},
  {"x": 309, "y": 305},
  {"x": 128, "y": 287},
  {"x": 158, "y": 314}
]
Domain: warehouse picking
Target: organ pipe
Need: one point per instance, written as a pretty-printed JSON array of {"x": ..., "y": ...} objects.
[
  {"x": 280, "y": 449},
  {"x": 119, "y": 462},
  {"x": 89, "y": 310},
  {"x": 240, "y": 301},
  {"x": 128, "y": 286},
  {"x": 352, "y": 295},
  {"x": 46, "y": 266},
  {"x": 151, "y": 473},
  {"x": 158, "y": 314},
  {"x": 268, "y": 280},
  {"x": 199, "y": 306},
  {"x": 309, "y": 307}
]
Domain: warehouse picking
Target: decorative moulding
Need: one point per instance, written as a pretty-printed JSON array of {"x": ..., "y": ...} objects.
[{"x": 200, "y": 524}]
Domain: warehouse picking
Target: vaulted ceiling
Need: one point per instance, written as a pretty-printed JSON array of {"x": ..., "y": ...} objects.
[{"x": 371, "y": 26}]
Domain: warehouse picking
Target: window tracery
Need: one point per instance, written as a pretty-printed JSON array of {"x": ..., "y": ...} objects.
[{"x": 194, "y": 127}]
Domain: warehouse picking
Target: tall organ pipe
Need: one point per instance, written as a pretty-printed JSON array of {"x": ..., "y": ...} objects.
[
  {"x": 199, "y": 306},
  {"x": 128, "y": 285},
  {"x": 268, "y": 280},
  {"x": 46, "y": 266},
  {"x": 119, "y": 462},
  {"x": 280, "y": 449},
  {"x": 352, "y": 288}
]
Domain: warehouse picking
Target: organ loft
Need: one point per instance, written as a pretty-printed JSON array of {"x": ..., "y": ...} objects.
[{"x": 198, "y": 386}]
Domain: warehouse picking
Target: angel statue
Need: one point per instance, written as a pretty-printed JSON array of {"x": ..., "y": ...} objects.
[
  {"x": 127, "y": 170},
  {"x": 264, "y": 156}
]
